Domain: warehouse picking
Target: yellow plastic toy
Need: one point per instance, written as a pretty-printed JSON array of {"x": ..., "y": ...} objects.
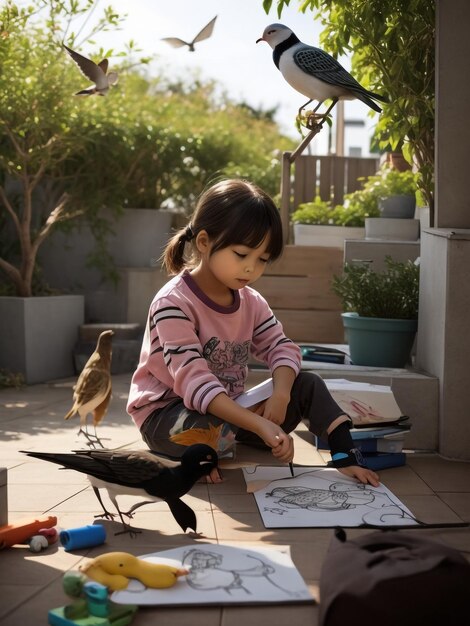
[{"x": 114, "y": 570}]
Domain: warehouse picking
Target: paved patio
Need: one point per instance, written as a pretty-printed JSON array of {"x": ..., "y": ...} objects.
[{"x": 434, "y": 489}]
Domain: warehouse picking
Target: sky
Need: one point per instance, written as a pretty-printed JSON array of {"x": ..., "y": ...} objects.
[{"x": 231, "y": 56}]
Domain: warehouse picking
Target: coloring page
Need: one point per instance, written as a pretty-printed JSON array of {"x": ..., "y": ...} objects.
[
  {"x": 322, "y": 497},
  {"x": 220, "y": 574}
]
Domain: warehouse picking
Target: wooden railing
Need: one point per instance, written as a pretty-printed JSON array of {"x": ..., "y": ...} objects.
[{"x": 329, "y": 177}]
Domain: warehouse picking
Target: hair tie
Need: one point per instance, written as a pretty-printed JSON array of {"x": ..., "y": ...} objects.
[{"x": 188, "y": 233}]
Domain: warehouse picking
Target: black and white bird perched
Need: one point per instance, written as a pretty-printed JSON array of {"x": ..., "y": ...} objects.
[
  {"x": 205, "y": 33},
  {"x": 313, "y": 72},
  {"x": 92, "y": 392},
  {"x": 96, "y": 72},
  {"x": 140, "y": 473}
]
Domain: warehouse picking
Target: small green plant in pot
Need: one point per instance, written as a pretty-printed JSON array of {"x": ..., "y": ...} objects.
[
  {"x": 396, "y": 192},
  {"x": 320, "y": 223},
  {"x": 380, "y": 312},
  {"x": 352, "y": 213}
]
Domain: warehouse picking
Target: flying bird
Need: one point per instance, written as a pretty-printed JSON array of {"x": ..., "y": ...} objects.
[
  {"x": 205, "y": 33},
  {"x": 96, "y": 72},
  {"x": 92, "y": 391},
  {"x": 313, "y": 72},
  {"x": 140, "y": 473}
]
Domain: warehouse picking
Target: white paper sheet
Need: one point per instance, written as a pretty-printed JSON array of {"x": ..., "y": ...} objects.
[
  {"x": 322, "y": 497},
  {"x": 222, "y": 574}
]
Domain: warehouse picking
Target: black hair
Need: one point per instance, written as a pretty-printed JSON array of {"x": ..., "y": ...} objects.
[{"x": 232, "y": 212}]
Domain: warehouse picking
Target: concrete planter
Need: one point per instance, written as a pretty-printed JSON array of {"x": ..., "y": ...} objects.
[
  {"x": 38, "y": 335},
  {"x": 139, "y": 238},
  {"x": 392, "y": 229},
  {"x": 326, "y": 236}
]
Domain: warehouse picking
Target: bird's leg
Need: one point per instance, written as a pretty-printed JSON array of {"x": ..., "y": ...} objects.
[
  {"x": 96, "y": 438},
  {"x": 92, "y": 440},
  {"x": 83, "y": 430},
  {"x": 106, "y": 514},
  {"x": 130, "y": 512},
  {"x": 127, "y": 527},
  {"x": 299, "y": 115},
  {"x": 111, "y": 516},
  {"x": 313, "y": 117}
]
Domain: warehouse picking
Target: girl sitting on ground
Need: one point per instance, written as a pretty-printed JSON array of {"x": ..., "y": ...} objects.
[{"x": 204, "y": 324}]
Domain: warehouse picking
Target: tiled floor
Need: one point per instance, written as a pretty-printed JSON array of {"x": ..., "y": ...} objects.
[{"x": 435, "y": 490}]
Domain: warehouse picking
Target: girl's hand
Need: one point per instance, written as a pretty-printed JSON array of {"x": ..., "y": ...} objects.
[
  {"x": 362, "y": 474},
  {"x": 286, "y": 456},
  {"x": 281, "y": 444}
]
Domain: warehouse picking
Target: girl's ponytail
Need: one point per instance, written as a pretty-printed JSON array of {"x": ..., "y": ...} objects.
[{"x": 173, "y": 256}]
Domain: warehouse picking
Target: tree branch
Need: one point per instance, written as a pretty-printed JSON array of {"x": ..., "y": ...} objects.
[{"x": 9, "y": 209}]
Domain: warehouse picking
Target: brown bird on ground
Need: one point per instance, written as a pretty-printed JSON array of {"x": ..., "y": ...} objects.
[{"x": 92, "y": 391}]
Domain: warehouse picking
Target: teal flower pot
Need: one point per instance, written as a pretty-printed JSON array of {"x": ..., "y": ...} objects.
[{"x": 379, "y": 342}]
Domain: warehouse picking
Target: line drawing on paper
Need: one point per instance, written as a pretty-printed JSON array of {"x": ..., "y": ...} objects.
[
  {"x": 320, "y": 497},
  {"x": 222, "y": 575},
  {"x": 207, "y": 573}
]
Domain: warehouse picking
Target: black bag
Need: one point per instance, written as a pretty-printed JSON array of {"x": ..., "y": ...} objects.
[{"x": 393, "y": 578}]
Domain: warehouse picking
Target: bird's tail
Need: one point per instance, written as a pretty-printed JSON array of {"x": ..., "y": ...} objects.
[
  {"x": 70, "y": 414},
  {"x": 368, "y": 98},
  {"x": 183, "y": 514},
  {"x": 53, "y": 457}
]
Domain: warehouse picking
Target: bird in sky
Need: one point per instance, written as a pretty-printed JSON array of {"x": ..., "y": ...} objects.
[
  {"x": 140, "y": 473},
  {"x": 96, "y": 72},
  {"x": 92, "y": 391},
  {"x": 205, "y": 33},
  {"x": 313, "y": 72}
]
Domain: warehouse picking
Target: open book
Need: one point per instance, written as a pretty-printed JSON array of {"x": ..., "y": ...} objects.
[{"x": 365, "y": 403}]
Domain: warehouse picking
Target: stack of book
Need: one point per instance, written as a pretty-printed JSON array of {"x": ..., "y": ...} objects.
[{"x": 380, "y": 446}]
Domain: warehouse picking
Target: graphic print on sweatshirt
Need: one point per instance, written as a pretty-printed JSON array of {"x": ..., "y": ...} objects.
[{"x": 228, "y": 362}]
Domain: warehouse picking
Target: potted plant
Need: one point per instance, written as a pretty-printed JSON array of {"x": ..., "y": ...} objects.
[
  {"x": 380, "y": 311},
  {"x": 396, "y": 192},
  {"x": 318, "y": 223}
]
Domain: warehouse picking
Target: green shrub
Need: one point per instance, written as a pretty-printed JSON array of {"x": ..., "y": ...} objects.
[
  {"x": 317, "y": 212},
  {"x": 357, "y": 206},
  {"x": 391, "y": 294}
]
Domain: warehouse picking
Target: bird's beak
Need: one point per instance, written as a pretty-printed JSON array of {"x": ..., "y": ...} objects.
[
  {"x": 204, "y": 462},
  {"x": 260, "y": 39}
]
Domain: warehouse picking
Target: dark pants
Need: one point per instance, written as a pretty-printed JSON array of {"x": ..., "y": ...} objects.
[{"x": 310, "y": 401}]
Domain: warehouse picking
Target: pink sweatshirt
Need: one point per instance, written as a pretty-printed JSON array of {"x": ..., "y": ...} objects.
[{"x": 194, "y": 349}]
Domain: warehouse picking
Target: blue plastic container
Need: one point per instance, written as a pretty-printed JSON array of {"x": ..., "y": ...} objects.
[{"x": 83, "y": 537}]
